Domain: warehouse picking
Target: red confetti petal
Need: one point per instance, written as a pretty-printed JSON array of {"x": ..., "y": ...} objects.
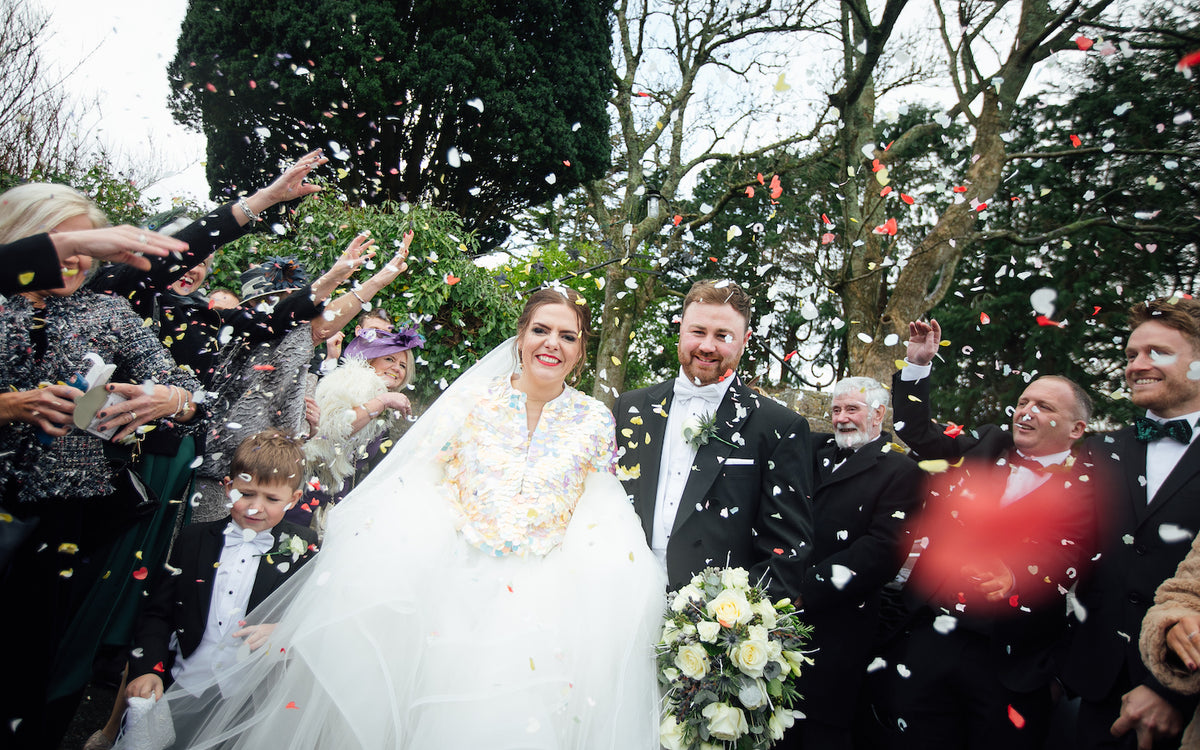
[
  {"x": 749, "y": 191},
  {"x": 253, "y": 84},
  {"x": 1014, "y": 601},
  {"x": 1017, "y": 719},
  {"x": 1189, "y": 60},
  {"x": 211, "y": 88},
  {"x": 827, "y": 238},
  {"x": 141, "y": 573},
  {"x": 825, "y": 219},
  {"x": 676, "y": 221},
  {"x": 566, "y": 162},
  {"x": 1096, "y": 309},
  {"x": 981, "y": 207},
  {"x": 791, "y": 354},
  {"x": 960, "y": 188},
  {"x": 983, "y": 318},
  {"x": 641, "y": 93},
  {"x": 159, "y": 667},
  {"x": 451, "y": 279},
  {"x": 777, "y": 551},
  {"x": 714, "y": 260},
  {"x": 952, "y": 430},
  {"x": 1083, "y": 43},
  {"x": 1042, "y": 320},
  {"x": 728, "y": 374},
  {"x": 760, "y": 179},
  {"x": 267, "y": 368},
  {"x": 291, "y": 704},
  {"x": 885, "y": 191},
  {"x": 1075, "y": 141},
  {"x": 907, "y": 199}
]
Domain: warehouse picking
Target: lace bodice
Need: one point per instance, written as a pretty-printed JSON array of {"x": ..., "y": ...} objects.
[{"x": 514, "y": 492}]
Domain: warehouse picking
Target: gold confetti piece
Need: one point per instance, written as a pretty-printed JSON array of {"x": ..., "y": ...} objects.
[
  {"x": 67, "y": 548},
  {"x": 616, "y": 361},
  {"x": 781, "y": 85},
  {"x": 25, "y": 278},
  {"x": 935, "y": 466}
]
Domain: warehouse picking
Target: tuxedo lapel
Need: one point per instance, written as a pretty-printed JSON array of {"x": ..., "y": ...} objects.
[
  {"x": 1186, "y": 468},
  {"x": 734, "y": 410},
  {"x": 208, "y": 556},
  {"x": 863, "y": 459},
  {"x": 647, "y": 456}
]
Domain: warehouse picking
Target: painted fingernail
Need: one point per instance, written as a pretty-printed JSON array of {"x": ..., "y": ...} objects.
[{"x": 102, "y": 414}]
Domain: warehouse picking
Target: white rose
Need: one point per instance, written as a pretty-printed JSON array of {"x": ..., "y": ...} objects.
[
  {"x": 670, "y": 734},
  {"x": 735, "y": 578},
  {"x": 688, "y": 630},
  {"x": 725, "y": 722},
  {"x": 692, "y": 660},
  {"x": 297, "y": 547},
  {"x": 756, "y": 633},
  {"x": 730, "y": 608},
  {"x": 671, "y": 674},
  {"x": 751, "y": 657},
  {"x": 752, "y": 694},
  {"x": 782, "y": 719},
  {"x": 708, "y": 630},
  {"x": 684, "y": 595},
  {"x": 764, "y": 610},
  {"x": 693, "y": 426},
  {"x": 670, "y": 633}
]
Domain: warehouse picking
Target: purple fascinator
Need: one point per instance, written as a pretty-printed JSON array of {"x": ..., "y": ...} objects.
[{"x": 373, "y": 343}]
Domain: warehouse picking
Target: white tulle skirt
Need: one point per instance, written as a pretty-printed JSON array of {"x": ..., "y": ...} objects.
[{"x": 401, "y": 635}]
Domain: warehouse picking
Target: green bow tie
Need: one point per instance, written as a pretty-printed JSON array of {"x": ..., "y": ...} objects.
[{"x": 1148, "y": 430}]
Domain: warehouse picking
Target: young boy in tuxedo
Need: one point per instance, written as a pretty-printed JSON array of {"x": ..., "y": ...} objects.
[{"x": 193, "y": 622}]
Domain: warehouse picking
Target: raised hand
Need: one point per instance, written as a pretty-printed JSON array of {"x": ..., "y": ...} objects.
[
  {"x": 923, "y": 341},
  {"x": 123, "y": 244}
]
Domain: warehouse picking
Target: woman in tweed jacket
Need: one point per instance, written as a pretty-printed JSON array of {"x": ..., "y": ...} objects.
[
  {"x": 55, "y": 475},
  {"x": 1170, "y": 639}
]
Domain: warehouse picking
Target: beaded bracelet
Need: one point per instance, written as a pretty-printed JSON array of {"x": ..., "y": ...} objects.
[{"x": 245, "y": 206}]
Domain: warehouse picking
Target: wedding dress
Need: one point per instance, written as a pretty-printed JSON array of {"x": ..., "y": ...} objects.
[{"x": 484, "y": 587}]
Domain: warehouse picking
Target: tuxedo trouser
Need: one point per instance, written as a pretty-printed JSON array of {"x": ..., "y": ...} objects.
[{"x": 945, "y": 694}]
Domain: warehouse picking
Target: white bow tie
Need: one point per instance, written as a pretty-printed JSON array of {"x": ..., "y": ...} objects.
[
  {"x": 709, "y": 394},
  {"x": 236, "y": 536}
]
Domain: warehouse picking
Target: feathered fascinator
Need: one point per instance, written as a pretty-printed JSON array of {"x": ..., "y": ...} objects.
[
  {"x": 373, "y": 343},
  {"x": 273, "y": 276}
]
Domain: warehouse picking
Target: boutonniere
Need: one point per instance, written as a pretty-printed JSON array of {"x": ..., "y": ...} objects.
[
  {"x": 699, "y": 429},
  {"x": 289, "y": 545}
]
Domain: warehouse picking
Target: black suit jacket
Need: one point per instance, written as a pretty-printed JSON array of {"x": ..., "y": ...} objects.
[
  {"x": 34, "y": 255},
  {"x": 1137, "y": 553},
  {"x": 1045, "y": 557},
  {"x": 753, "y": 511},
  {"x": 179, "y": 603},
  {"x": 860, "y": 513}
]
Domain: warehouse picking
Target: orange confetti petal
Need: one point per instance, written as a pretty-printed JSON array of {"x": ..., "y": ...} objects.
[
  {"x": 983, "y": 318},
  {"x": 291, "y": 704},
  {"x": 749, "y": 191},
  {"x": 1075, "y": 141},
  {"x": 266, "y": 368},
  {"x": 907, "y": 199},
  {"x": 714, "y": 260},
  {"x": 1083, "y": 43},
  {"x": 777, "y": 551},
  {"x": 1016, "y": 718},
  {"x": 451, "y": 279},
  {"x": 760, "y": 179},
  {"x": 827, "y": 238},
  {"x": 676, "y": 221}
]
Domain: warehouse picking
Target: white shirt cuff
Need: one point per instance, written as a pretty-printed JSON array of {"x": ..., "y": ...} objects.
[{"x": 912, "y": 373}]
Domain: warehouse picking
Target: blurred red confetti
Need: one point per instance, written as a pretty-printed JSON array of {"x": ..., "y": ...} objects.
[
  {"x": 141, "y": 573},
  {"x": 1014, "y": 601},
  {"x": 291, "y": 704},
  {"x": 210, "y": 87},
  {"x": 266, "y": 368},
  {"x": 676, "y": 221},
  {"x": 960, "y": 188},
  {"x": 1189, "y": 60},
  {"x": 1017, "y": 719},
  {"x": 1042, "y": 320},
  {"x": 1083, "y": 43},
  {"x": 952, "y": 430},
  {"x": 566, "y": 162},
  {"x": 983, "y": 318},
  {"x": 253, "y": 84},
  {"x": 714, "y": 260},
  {"x": 641, "y": 93},
  {"x": 1075, "y": 141},
  {"x": 728, "y": 374}
]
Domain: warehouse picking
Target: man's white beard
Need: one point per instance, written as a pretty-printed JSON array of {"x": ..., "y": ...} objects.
[{"x": 852, "y": 440}]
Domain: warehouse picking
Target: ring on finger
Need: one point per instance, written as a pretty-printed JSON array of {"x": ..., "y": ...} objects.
[
  {"x": 1193, "y": 634},
  {"x": 142, "y": 238},
  {"x": 133, "y": 416}
]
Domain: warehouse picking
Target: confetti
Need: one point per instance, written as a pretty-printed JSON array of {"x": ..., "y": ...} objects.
[
  {"x": 1016, "y": 718},
  {"x": 141, "y": 573}
]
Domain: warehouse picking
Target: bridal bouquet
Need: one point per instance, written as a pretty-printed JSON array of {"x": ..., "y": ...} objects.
[{"x": 728, "y": 661}]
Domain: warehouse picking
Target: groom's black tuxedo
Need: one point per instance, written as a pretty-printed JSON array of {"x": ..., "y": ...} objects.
[
  {"x": 748, "y": 499},
  {"x": 179, "y": 603}
]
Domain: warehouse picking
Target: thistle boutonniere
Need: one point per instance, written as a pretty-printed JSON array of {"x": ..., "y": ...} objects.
[{"x": 698, "y": 429}]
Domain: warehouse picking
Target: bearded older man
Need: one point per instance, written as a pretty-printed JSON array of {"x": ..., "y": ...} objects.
[{"x": 866, "y": 492}]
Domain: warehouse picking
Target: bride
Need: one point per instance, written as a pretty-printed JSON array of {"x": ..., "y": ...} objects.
[{"x": 488, "y": 585}]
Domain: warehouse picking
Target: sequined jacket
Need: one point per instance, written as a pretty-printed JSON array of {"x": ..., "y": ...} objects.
[{"x": 74, "y": 465}]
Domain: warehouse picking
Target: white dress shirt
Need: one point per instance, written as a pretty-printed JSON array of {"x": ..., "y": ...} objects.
[
  {"x": 232, "y": 584},
  {"x": 677, "y": 457},
  {"x": 1162, "y": 455}
]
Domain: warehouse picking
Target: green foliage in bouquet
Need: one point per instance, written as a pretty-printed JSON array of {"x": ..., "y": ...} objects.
[{"x": 728, "y": 660}]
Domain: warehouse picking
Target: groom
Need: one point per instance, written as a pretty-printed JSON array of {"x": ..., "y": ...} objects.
[{"x": 718, "y": 474}]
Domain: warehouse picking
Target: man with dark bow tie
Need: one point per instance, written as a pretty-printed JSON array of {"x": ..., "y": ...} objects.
[
  {"x": 718, "y": 474},
  {"x": 866, "y": 494},
  {"x": 1006, "y": 527},
  {"x": 1150, "y": 514}
]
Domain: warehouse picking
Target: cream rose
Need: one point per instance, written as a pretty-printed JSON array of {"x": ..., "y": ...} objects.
[
  {"x": 725, "y": 722},
  {"x": 692, "y": 660},
  {"x": 756, "y": 633},
  {"x": 684, "y": 595},
  {"x": 708, "y": 630},
  {"x": 693, "y": 430},
  {"x": 764, "y": 610},
  {"x": 670, "y": 734},
  {"x": 730, "y": 608},
  {"x": 670, "y": 633},
  {"x": 735, "y": 578},
  {"x": 751, "y": 656}
]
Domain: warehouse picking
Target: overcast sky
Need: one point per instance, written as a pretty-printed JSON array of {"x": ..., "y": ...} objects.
[{"x": 125, "y": 46}]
